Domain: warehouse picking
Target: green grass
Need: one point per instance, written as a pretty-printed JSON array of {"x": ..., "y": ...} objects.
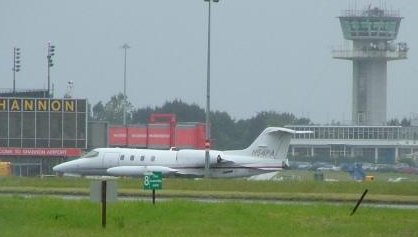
[
  {"x": 44, "y": 216},
  {"x": 304, "y": 188},
  {"x": 56, "y": 217}
]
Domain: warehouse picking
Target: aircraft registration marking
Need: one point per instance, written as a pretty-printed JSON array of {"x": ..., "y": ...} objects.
[{"x": 263, "y": 152}]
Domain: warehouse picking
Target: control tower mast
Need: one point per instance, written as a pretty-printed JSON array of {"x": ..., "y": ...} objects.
[{"x": 372, "y": 31}]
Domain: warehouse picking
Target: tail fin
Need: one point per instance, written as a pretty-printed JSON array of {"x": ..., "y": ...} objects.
[{"x": 272, "y": 143}]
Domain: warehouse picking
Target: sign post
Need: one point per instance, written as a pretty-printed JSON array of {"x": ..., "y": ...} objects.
[
  {"x": 103, "y": 201},
  {"x": 153, "y": 181},
  {"x": 103, "y": 191}
]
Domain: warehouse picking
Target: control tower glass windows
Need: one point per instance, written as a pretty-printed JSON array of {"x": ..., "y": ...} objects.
[
  {"x": 369, "y": 28},
  {"x": 391, "y": 28}
]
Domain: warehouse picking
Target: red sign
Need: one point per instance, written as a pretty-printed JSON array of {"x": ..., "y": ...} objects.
[{"x": 65, "y": 152}]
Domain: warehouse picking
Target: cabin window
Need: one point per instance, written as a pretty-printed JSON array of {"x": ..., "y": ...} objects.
[
  {"x": 122, "y": 157},
  {"x": 132, "y": 157},
  {"x": 152, "y": 158},
  {"x": 142, "y": 158}
]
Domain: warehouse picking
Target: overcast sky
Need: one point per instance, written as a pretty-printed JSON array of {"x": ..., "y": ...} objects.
[{"x": 266, "y": 55}]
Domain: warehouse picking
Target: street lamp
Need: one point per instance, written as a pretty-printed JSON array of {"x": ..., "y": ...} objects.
[
  {"x": 51, "y": 53},
  {"x": 208, "y": 134},
  {"x": 16, "y": 66},
  {"x": 125, "y": 47}
]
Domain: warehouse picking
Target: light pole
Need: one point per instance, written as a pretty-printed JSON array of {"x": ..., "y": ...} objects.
[
  {"x": 125, "y": 47},
  {"x": 16, "y": 66},
  {"x": 208, "y": 133},
  {"x": 51, "y": 53}
]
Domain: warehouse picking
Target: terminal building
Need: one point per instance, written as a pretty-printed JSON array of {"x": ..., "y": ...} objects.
[
  {"x": 375, "y": 144},
  {"x": 38, "y": 132}
]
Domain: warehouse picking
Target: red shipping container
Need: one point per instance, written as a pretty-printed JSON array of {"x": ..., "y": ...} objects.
[
  {"x": 137, "y": 136},
  {"x": 159, "y": 136},
  {"x": 190, "y": 136},
  {"x": 185, "y": 137},
  {"x": 117, "y": 136},
  {"x": 200, "y": 135}
]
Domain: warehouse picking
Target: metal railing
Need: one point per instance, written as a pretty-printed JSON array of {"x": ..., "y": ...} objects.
[
  {"x": 352, "y": 54},
  {"x": 371, "y": 13}
]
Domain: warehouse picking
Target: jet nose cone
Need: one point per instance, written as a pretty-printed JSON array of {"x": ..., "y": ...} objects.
[
  {"x": 58, "y": 168},
  {"x": 64, "y": 167},
  {"x": 67, "y": 167}
]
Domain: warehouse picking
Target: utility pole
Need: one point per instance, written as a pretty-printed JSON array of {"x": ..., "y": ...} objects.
[{"x": 125, "y": 47}]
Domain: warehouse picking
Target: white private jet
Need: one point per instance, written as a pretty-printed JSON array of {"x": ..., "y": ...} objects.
[{"x": 266, "y": 154}]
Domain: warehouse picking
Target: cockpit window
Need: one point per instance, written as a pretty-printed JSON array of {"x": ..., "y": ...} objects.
[{"x": 91, "y": 154}]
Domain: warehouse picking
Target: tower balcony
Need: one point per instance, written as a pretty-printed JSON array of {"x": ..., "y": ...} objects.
[{"x": 354, "y": 54}]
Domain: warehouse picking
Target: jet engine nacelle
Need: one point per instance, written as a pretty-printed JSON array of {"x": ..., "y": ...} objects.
[
  {"x": 138, "y": 170},
  {"x": 198, "y": 156}
]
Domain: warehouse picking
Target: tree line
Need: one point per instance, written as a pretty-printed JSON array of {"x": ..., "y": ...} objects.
[{"x": 227, "y": 133}]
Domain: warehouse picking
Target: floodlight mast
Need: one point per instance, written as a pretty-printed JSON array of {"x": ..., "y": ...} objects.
[
  {"x": 16, "y": 66},
  {"x": 51, "y": 53},
  {"x": 208, "y": 133}
]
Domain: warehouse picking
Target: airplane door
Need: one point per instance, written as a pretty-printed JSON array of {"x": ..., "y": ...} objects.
[{"x": 110, "y": 159}]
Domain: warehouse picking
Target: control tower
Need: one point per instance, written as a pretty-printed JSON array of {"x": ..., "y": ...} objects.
[{"x": 373, "y": 32}]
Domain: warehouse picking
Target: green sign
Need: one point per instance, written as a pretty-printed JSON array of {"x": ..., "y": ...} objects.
[{"x": 153, "y": 180}]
